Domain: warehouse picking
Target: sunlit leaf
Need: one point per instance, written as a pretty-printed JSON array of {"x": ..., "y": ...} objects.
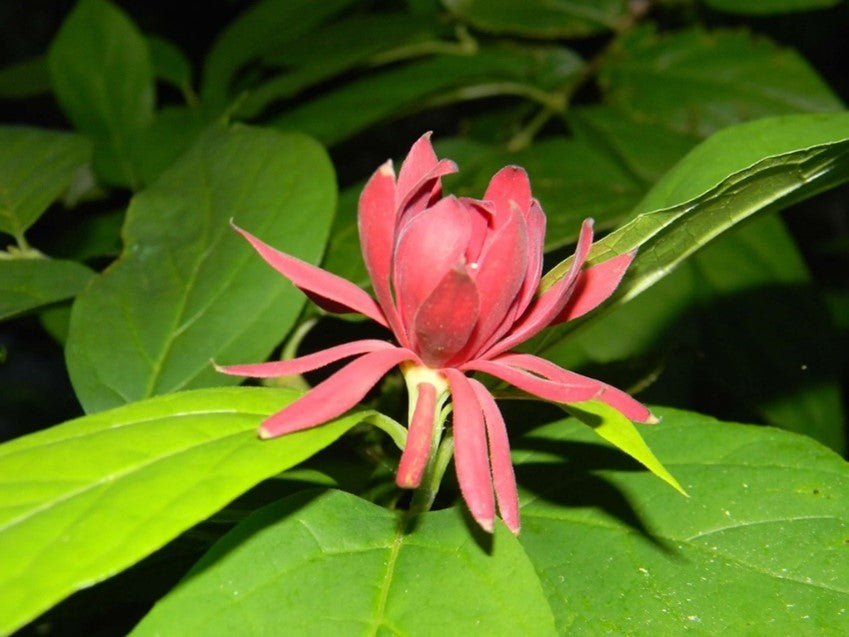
[
  {"x": 84, "y": 500},
  {"x": 760, "y": 542},
  {"x": 331, "y": 563}
]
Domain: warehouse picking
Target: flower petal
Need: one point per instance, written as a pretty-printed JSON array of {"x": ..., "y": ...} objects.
[
  {"x": 555, "y": 391},
  {"x": 428, "y": 248},
  {"x": 616, "y": 398},
  {"x": 510, "y": 184},
  {"x": 444, "y": 322},
  {"x": 306, "y": 363},
  {"x": 419, "y": 437},
  {"x": 550, "y": 303},
  {"x": 471, "y": 459},
  {"x": 376, "y": 220},
  {"x": 419, "y": 179},
  {"x": 328, "y": 291},
  {"x": 503, "y": 477},
  {"x": 594, "y": 286},
  {"x": 336, "y": 395}
]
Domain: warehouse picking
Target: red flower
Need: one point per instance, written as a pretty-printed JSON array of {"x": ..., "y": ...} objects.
[{"x": 456, "y": 281}]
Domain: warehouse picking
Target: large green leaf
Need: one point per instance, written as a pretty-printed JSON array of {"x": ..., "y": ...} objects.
[
  {"x": 102, "y": 76},
  {"x": 82, "y": 501},
  {"x": 345, "y": 111},
  {"x": 26, "y": 284},
  {"x": 760, "y": 544},
  {"x": 754, "y": 167},
  {"x": 697, "y": 82},
  {"x": 541, "y": 18},
  {"x": 262, "y": 28},
  {"x": 36, "y": 166},
  {"x": 333, "y": 564},
  {"x": 186, "y": 288}
]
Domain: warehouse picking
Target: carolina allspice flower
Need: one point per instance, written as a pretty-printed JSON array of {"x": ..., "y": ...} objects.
[{"x": 456, "y": 281}]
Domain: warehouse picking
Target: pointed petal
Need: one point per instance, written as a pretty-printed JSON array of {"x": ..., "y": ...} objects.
[
  {"x": 327, "y": 290},
  {"x": 306, "y": 363},
  {"x": 336, "y": 395},
  {"x": 428, "y": 247},
  {"x": 419, "y": 437},
  {"x": 444, "y": 322},
  {"x": 555, "y": 391},
  {"x": 510, "y": 184},
  {"x": 550, "y": 303},
  {"x": 616, "y": 398},
  {"x": 419, "y": 179},
  {"x": 376, "y": 220},
  {"x": 594, "y": 286},
  {"x": 470, "y": 451},
  {"x": 503, "y": 477},
  {"x": 535, "y": 228}
]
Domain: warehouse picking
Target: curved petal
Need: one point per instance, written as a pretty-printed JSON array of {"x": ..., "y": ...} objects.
[
  {"x": 499, "y": 278},
  {"x": 306, "y": 363},
  {"x": 444, "y": 322},
  {"x": 328, "y": 291},
  {"x": 420, "y": 160},
  {"x": 419, "y": 437},
  {"x": 535, "y": 225},
  {"x": 419, "y": 182},
  {"x": 503, "y": 477},
  {"x": 550, "y": 303},
  {"x": 510, "y": 184},
  {"x": 471, "y": 458},
  {"x": 376, "y": 221},
  {"x": 555, "y": 391},
  {"x": 594, "y": 286},
  {"x": 336, "y": 395},
  {"x": 616, "y": 398},
  {"x": 428, "y": 248}
]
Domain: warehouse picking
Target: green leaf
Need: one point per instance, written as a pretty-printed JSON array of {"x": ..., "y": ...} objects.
[
  {"x": 768, "y": 7},
  {"x": 696, "y": 82},
  {"x": 492, "y": 71},
  {"x": 541, "y": 18},
  {"x": 324, "y": 53},
  {"x": 333, "y": 564},
  {"x": 27, "y": 78},
  {"x": 188, "y": 289},
  {"x": 102, "y": 76},
  {"x": 86, "y": 499},
  {"x": 613, "y": 427},
  {"x": 760, "y": 542},
  {"x": 36, "y": 166},
  {"x": 754, "y": 167},
  {"x": 170, "y": 134},
  {"x": 170, "y": 64},
  {"x": 26, "y": 284},
  {"x": 262, "y": 28}
]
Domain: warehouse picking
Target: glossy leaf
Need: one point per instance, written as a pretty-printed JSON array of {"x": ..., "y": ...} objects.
[
  {"x": 331, "y": 563},
  {"x": 541, "y": 18},
  {"x": 738, "y": 172},
  {"x": 86, "y": 499},
  {"x": 36, "y": 166},
  {"x": 341, "y": 113},
  {"x": 697, "y": 82},
  {"x": 759, "y": 543},
  {"x": 259, "y": 30},
  {"x": 26, "y": 284},
  {"x": 103, "y": 79},
  {"x": 186, "y": 288}
]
